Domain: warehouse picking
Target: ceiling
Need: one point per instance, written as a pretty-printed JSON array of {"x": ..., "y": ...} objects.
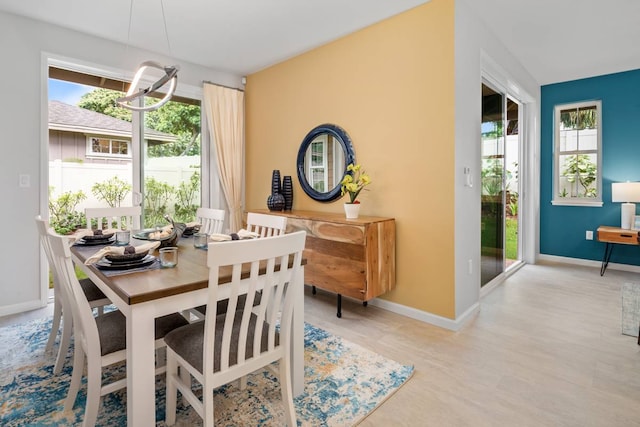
[
  {"x": 554, "y": 40},
  {"x": 561, "y": 40}
]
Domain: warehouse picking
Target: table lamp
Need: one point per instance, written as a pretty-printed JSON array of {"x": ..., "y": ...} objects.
[{"x": 628, "y": 193}]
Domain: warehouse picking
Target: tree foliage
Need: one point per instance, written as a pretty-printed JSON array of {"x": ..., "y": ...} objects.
[
  {"x": 175, "y": 118},
  {"x": 104, "y": 101},
  {"x": 579, "y": 118}
]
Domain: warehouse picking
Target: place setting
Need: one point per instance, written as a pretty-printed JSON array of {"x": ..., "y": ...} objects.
[
  {"x": 87, "y": 237},
  {"x": 113, "y": 260}
]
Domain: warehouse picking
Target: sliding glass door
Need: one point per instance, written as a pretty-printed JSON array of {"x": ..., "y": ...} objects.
[
  {"x": 500, "y": 151},
  {"x": 492, "y": 199},
  {"x": 101, "y": 155}
]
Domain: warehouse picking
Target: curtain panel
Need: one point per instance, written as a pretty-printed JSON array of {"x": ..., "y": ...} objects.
[{"x": 224, "y": 109}]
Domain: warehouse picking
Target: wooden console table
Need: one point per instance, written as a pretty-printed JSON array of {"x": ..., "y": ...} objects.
[
  {"x": 614, "y": 236},
  {"x": 352, "y": 257}
]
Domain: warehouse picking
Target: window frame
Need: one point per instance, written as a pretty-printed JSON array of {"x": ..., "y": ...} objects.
[
  {"x": 575, "y": 200},
  {"x": 320, "y": 141},
  {"x": 110, "y": 155}
]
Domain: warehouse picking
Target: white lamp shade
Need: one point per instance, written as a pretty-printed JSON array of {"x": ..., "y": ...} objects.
[{"x": 625, "y": 192}]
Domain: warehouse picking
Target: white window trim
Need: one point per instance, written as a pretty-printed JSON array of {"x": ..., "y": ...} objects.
[
  {"x": 322, "y": 139},
  {"x": 575, "y": 201},
  {"x": 92, "y": 155}
]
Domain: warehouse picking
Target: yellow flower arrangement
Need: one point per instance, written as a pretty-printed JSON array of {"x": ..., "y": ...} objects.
[{"x": 354, "y": 182}]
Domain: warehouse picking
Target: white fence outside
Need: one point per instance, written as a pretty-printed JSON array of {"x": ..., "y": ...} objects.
[{"x": 70, "y": 176}]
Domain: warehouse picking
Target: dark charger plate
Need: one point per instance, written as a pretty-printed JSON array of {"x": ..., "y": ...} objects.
[
  {"x": 98, "y": 237},
  {"x": 126, "y": 257},
  {"x": 95, "y": 242},
  {"x": 105, "y": 264}
]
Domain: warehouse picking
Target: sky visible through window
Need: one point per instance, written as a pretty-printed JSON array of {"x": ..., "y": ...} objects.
[{"x": 67, "y": 92}]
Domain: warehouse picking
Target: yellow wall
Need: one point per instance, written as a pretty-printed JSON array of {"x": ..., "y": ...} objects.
[{"x": 391, "y": 87}]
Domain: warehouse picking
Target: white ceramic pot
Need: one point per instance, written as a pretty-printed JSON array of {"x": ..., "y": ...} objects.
[{"x": 352, "y": 210}]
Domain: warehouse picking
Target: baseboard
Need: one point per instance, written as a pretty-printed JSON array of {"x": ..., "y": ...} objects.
[
  {"x": 19, "y": 308},
  {"x": 588, "y": 263},
  {"x": 426, "y": 317}
]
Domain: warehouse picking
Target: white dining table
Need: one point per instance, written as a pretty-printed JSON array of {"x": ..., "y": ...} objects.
[{"x": 145, "y": 295}]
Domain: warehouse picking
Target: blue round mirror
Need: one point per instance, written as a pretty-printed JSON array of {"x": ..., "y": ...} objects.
[{"x": 322, "y": 162}]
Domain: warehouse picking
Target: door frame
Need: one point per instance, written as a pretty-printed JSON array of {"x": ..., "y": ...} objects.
[{"x": 528, "y": 217}]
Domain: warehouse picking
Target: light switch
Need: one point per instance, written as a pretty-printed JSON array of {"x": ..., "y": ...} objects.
[
  {"x": 468, "y": 180},
  {"x": 24, "y": 180}
]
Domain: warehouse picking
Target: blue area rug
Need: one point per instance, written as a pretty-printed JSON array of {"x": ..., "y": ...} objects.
[{"x": 343, "y": 384}]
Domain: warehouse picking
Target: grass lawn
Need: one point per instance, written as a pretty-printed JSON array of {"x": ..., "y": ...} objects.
[{"x": 511, "y": 238}]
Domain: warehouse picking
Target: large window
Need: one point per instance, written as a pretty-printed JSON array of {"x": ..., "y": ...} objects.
[{"x": 577, "y": 154}]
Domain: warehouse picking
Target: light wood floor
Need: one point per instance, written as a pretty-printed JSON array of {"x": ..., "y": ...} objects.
[{"x": 544, "y": 350}]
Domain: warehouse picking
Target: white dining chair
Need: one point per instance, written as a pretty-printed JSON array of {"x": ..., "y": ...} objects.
[
  {"x": 266, "y": 225},
  {"x": 124, "y": 217},
  {"x": 226, "y": 347},
  {"x": 211, "y": 220},
  {"x": 101, "y": 340},
  {"x": 94, "y": 296}
]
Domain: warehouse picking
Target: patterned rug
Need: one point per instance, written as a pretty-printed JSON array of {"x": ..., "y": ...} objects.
[{"x": 343, "y": 384}]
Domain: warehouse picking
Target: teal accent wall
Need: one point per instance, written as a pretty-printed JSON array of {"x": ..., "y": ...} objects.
[{"x": 562, "y": 228}]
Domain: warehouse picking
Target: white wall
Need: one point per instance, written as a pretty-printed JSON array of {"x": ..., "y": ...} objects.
[
  {"x": 23, "y": 44},
  {"x": 476, "y": 47}
]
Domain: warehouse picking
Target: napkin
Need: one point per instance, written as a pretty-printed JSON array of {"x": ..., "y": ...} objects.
[
  {"x": 120, "y": 250},
  {"x": 162, "y": 233},
  {"x": 242, "y": 234},
  {"x": 192, "y": 224},
  {"x": 79, "y": 234}
]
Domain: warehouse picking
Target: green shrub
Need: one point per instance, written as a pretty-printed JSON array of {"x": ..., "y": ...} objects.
[
  {"x": 156, "y": 197},
  {"x": 63, "y": 215},
  {"x": 112, "y": 191},
  {"x": 185, "y": 209}
]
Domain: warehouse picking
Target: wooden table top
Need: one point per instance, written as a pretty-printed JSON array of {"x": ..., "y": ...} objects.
[{"x": 190, "y": 274}]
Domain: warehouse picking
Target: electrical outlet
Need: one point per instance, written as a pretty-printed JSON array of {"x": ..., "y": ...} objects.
[{"x": 589, "y": 235}]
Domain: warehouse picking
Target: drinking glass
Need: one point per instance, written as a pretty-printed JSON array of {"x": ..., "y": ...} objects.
[
  {"x": 123, "y": 237},
  {"x": 200, "y": 240},
  {"x": 168, "y": 257}
]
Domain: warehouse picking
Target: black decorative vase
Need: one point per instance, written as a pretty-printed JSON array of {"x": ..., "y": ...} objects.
[
  {"x": 276, "y": 186},
  {"x": 287, "y": 192},
  {"x": 275, "y": 202}
]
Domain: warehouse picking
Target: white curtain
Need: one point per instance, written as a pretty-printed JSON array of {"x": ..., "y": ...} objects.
[{"x": 224, "y": 109}]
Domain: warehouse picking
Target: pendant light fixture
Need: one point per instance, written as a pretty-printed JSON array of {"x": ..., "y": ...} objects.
[{"x": 170, "y": 76}]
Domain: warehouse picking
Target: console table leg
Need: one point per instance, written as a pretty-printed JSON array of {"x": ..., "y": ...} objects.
[
  {"x": 608, "y": 248},
  {"x": 313, "y": 289},
  {"x": 339, "y": 306},
  {"x": 364, "y": 303}
]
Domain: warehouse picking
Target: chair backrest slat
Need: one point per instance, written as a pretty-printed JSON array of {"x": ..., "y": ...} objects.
[
  {"x": 266, "y": 225},
  {"x": 211, "y": 220},
  {"x": 124, "y": 217}
]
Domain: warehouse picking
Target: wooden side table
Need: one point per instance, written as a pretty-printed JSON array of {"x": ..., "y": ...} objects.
[
  {"x": 351, "y": 257},
  {"x": 614, "y": 236}
]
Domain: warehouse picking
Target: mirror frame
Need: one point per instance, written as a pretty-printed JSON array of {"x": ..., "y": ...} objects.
[{"x": 349, "y": 157}]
